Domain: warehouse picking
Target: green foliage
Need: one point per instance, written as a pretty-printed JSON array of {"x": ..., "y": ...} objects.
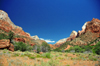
[
  {"x": 78, "y": 49},
  {"x": 46, "y": 55},
  {"x": 42, "y": 48},
  {"x": 3, "y": 36},
  {"x": 57, "y": 49},
  {"x": 64, "y": 45},
  {"x": 22, "y": 46},
  {"x": 96, "y": 48},
  {"x": 45, "y": 47},
  {"x": 10, "y": 36}
]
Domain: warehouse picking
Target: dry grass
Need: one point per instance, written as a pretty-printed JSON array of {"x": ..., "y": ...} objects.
[{"x": 18, "y": 58}]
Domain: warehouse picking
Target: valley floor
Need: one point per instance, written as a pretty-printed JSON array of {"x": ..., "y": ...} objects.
[{"x": 18, "y": 58}]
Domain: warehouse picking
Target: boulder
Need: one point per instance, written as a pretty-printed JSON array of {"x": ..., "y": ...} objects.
[
  {"x": 11, "y": 47},
  {"x": 5, "y": 44}
]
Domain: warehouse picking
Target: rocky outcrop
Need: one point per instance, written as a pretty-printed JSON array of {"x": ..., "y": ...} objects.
[
  {"x": 7, "y": 25},
  {"x": 19, "y": 39},
  {"x": 78, "y": 41},
  {"x": 5, "y": 44},
  {"x": 60, "y": 42},
  {"x": 90, "y": 32},
  {"x": 11, "y": 47},
  {"x": 93, "y": 26},
  {"x": 82, "y": 31},
  {"x": 35, "y": 37},
  {"x": 72, "y": 36}
]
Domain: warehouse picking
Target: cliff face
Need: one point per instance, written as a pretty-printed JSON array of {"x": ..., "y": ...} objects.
[
  {"x": 93, "y": 26},
  {"x": 90, "y": 32},
  {"x": 7, "y": 25}
]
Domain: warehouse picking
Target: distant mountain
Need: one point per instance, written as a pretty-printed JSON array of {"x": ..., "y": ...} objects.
[{"x": 89, "y": 34}]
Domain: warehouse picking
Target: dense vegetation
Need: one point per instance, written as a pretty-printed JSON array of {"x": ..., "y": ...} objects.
[
  {"x": 22, "y": 46},
  {"x": 44, "y": 47},
  {"x": 82, "y": 49}
]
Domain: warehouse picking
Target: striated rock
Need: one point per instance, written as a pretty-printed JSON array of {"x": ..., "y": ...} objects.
[
  {"x": 93, "y": 26},
  {"x": 35, "y": 37},
  {"x": 5, "y": 44},
  {"x": 11, "y": 48},
  {"x": 72, "y": 36},
  {"x": 60, "y": 42},
  {"x": 7, "y": 25},
  {"x": 19, "y": 39}
]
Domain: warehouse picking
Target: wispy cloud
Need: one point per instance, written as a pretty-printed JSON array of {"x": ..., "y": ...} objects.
[{"x": 47, "y": 40}]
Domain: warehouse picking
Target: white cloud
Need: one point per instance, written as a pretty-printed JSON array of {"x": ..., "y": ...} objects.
[{"x": 47, "y": 40}]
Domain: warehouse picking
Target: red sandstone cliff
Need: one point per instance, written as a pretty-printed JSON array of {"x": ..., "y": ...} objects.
[{"x": 7, "y": 25}]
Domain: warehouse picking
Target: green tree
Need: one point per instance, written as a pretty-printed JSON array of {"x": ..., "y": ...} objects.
[
  {"x": 22, "y": 46},
  {"x": 3, "y": 36},
  {"x": 10, "y": 36},
  {"x": 45, "y": 47}
]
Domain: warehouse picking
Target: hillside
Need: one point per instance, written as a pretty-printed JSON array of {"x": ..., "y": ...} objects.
[
  {"x": 89, "y": 33},
  {"x": 6, "y": 26}
]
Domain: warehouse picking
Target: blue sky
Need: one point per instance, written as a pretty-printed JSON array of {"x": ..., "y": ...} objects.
[{"x": 51, "y": 20}]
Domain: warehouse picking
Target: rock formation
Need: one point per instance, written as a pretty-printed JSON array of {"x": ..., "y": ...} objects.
[
  {"x": 35, "y": 37},
  {"x": 5, "y": 44},
  {"x": 90, "y": 32},
  {"x": 19, "y": 35},
  {"x": 72, "y": 36},
  {"x": 60, "y": 42},
  {"x": 82, "y": 31},
  {"x": 93, "y": 26},
  {"x": 19, "y": 39}
]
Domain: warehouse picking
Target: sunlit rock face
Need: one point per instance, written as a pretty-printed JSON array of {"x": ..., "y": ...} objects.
[
  {"x": 93, "y": 26},
  {"x": 60, "y": 42},
  {"x": 82, "y": 31},
  {"x": 7, "y": 25},
  {"x": 35, "y": 37},
  {"x": 72, "y": 36}
]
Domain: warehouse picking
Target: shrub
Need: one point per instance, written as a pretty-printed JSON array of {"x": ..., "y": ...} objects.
[
  {"x": 46, "y": 55},
  {"x": 42, "y": 48},
  {"x": 57, "y": 49},
  {"x": 22, "y": 46},
  {"x": 3, "y": 36},
  {"x": 96, "y": 48},
  {"x": 45, "y": 47}
]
